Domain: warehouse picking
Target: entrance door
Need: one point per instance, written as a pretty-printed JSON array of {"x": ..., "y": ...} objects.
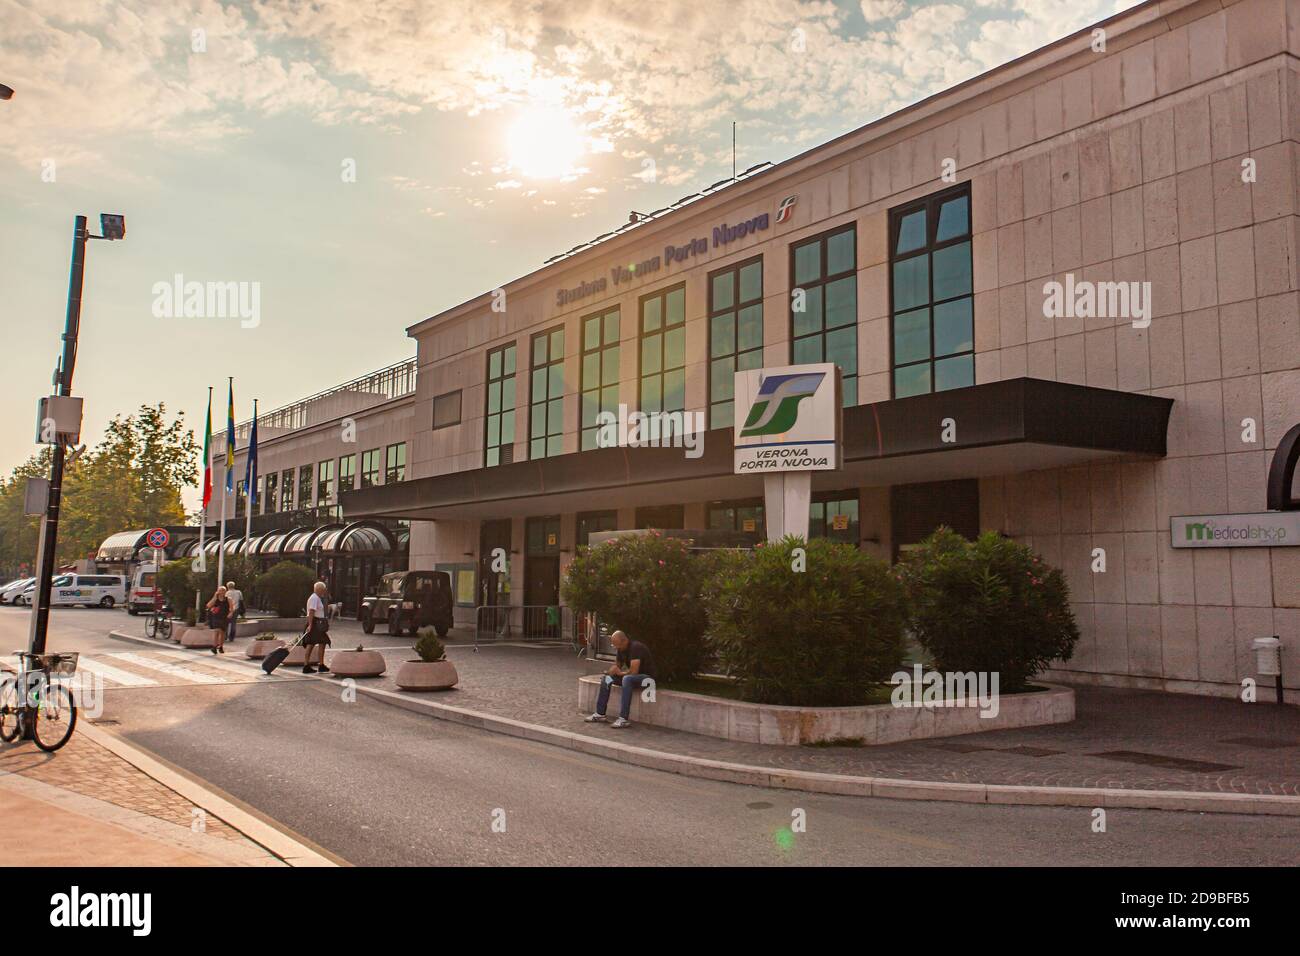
[
  {"x": 542, "y": 578},
  {"x": 917, "y": 510},
  {"x": 494, "y": 542}
]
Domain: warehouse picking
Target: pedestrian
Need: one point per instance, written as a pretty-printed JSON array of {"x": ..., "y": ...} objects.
[
  {"x": 235, "y": 597},
  {"x": 318, "y": 624},
  {"x": 633, "y": 667},
  {"x": 218, "y": 618}
]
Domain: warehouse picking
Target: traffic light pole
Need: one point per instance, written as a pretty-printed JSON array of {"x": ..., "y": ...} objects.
[{"x": 63, "y": 386}]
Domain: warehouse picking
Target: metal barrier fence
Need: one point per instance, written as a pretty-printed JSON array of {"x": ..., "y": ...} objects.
[{"x": 526, "y": 622}]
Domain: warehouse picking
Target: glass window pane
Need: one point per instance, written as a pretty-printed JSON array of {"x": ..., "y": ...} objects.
[
  {"x": 494, "y": 397},
  {"x": 722, "y": 334},
  {"x": 609, "y": 362},
  {"x": 912, "y": 380},
  {"x": 722, "y": 379},
  {"x": 557, "y": 345},
  {"x": 493, "y": 457},
  {"x": 611, "y": 327},
  {"x": 651, "y": 313},
  {"x": 555, "y": 416},
  {"x": 557, "y": 380},
  {"x": 842, "y": 349},
  {"x": 675, "y": 348},
  {"x": 590, "y": 408},
  {"x": 748, "y": 360},
  {"x": 750, "y": 333},
  {"x": 751, "y": 282},
  {"x": 537, "y": 421},
  {"x": 954, "y": 219},
  {"x": 807, "y": 262},
  {"x": 507, "y": 394},
  {"x": 841, "y": 302},
  {"x": 509, "y": 365},
  {"x": 911, "y": 232},
  {"x": 850, "y": 391},
  {"x": 723, "y": 415},
  {"x": 591, "y": 370},
  {"x": 650, "y": 395},
  {"x": 494, "y": 365},
  {"x": 508, "y": 428},
  {"x": 808, "y": 350},
  {"x": 911, "y": 336},
  {"x": 675, "y": 307},
  {"x": 911, "y": 282},
  {"x": 539, "y": 350},
  {"x": 650, "y": 354},
  {"x": 810, "y": 319},
  {"x": 952, "y": 271},
  {"x": 723, "y": 297},
  {"x": 537, "y": 448},
  {"x": 953, "y": 327},
  {"x": 956, "y": 372},
  {"x": 539, "y": 384},
  {"x": 591, "y": 333},
  {"x": 839, "y": 253},
  {"x": 675, "y": 390},
  {"x": 609, "y": 399},
  {"x": 555, "y": 445},
  {"x": 494, "y": 430}
]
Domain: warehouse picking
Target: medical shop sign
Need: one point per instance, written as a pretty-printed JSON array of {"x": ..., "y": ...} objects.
[{"x": 788, "y": 419}]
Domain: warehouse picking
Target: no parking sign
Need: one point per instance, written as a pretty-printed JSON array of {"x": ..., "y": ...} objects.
[{"x": 157, "y": 538}]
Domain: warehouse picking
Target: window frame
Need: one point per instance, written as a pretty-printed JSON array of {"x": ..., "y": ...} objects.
[
  {"x": 351, "y": 476},
  {"x": 641, "y": 337},
  {"x": 550, "y": 363},
  {"x": 324, "y": 482},
  {"x": 369, "y": 476},
  {"x": 460, "y": 408},
  {"x": 600, "y": 350},
  {"x": 736, "y": 305},
  {"x": 822, "y": 238},
  {"x": 390, "y": 468},
  {"x": 501, "y": 413},
  {"x": 931, "y": 204}
]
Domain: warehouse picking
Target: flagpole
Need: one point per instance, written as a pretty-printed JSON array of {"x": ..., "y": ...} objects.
[
  {"x": 250, "y": 481},
  {"x": 225, "y": 485},
  {"x": 205, "y": 493}
]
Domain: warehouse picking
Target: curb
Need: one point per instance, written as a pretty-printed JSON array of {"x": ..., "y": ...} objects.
[
  {"x": 289, "y": 848},
  {"x": 840, "y": 784}
]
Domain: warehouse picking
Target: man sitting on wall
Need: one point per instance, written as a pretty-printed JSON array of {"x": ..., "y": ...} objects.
[{"x": 633, "y": 668}]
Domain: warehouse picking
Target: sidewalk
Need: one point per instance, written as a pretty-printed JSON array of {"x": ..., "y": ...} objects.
[
  {"x": 1121, "y": 740},
  {"x": 99, "y": 801}
]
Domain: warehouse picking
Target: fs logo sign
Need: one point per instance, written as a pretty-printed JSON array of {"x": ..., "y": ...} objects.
[
  {"x": 788, "y": 419},
  {"x": 776, "y": 408},
  {"x": 786, "y": 209}
]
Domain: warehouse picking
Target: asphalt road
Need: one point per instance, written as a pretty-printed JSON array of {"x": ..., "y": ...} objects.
[{"x": 378, "y": 785}]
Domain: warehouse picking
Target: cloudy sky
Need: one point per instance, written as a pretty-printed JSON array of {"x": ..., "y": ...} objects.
[{"x": 371, "y": 163}]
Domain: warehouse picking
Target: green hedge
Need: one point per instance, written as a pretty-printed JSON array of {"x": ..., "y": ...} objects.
[
  {"x": 285, "y": 589},
  {"x": 988, "y": 605},
  {"x": 814, "y": 623}
]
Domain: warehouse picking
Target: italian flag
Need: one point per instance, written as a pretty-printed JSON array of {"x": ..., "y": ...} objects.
[{"x": 207, "y": 456}]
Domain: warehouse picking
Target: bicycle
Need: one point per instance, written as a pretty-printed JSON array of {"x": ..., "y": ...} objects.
[
  {"x": 34, "y": 695},
  {"x": 159, "y": 624}
]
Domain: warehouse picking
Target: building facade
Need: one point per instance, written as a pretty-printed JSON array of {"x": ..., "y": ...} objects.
[{"x": 1063, "y": 300}]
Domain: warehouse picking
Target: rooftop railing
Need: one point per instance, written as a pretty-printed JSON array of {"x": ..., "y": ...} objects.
[{"x": 389, "y": 383}]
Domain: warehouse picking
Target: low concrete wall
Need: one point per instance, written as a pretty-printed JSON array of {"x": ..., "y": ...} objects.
[{"x": 791, "y": 726}]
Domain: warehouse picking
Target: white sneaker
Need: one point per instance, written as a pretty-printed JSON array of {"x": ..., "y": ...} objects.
[
  {"x": 595, "y": 719},
  {"x": 620, "y": 722}
]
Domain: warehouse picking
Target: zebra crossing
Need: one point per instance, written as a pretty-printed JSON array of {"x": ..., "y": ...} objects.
[{"x": 167, "y": 667}]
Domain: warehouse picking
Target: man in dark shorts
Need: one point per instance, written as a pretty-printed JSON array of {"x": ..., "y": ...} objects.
[
  {"x": 633, "y": 669},
  {"x": 317, "y": 628}
]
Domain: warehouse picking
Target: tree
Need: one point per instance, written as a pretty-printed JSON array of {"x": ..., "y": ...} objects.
[{"x": 19, "y": 532}]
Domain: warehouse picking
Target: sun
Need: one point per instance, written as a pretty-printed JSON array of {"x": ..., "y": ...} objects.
[{"x": 544, "y": 144}]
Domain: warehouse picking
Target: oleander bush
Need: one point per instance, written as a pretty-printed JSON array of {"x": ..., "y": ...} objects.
[
  {"x": 987, "y": 605},
  {"x": 820, "y": 626},
  {"x": 648, "y": 586},
  {"x": 284, "y": 588}
]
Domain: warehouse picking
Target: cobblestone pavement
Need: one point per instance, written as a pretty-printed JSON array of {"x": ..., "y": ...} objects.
[{"x": 1122, "y": 739}]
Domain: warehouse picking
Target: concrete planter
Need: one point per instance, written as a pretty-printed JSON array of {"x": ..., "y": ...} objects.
[
  {"x": 258, "y": 649},
  {"x": 257, "y": 625},
  {"x": 791, "y": 726},
  {"x": 357, "y": 664},
  {"x": 427, "y": 675},
  {"x": 199, "y": 637},
  {"x": 178, "y": 631}
]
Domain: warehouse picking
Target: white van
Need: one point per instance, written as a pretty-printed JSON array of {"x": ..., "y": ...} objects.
[
  {"x": 92, "y": 590},
  {"x": 11, "y": 591},
  {"x": 142, "y": 595}
]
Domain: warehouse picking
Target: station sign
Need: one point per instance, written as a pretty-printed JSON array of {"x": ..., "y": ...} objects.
[{"x": 789, "y": 419}]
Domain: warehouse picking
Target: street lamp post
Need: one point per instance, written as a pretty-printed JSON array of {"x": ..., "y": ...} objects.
[{"x": 113, "y": 227}]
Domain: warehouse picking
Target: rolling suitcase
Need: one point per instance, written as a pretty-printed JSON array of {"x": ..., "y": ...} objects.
[{"x": 274, "y": 659}]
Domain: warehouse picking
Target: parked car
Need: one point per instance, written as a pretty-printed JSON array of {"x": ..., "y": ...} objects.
[
  {"x": 9, "y": 593},
  {"x": 92, "y": 590},
  {"x": 408, "y": 601},
  {"x": 142, "y": 595}
]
